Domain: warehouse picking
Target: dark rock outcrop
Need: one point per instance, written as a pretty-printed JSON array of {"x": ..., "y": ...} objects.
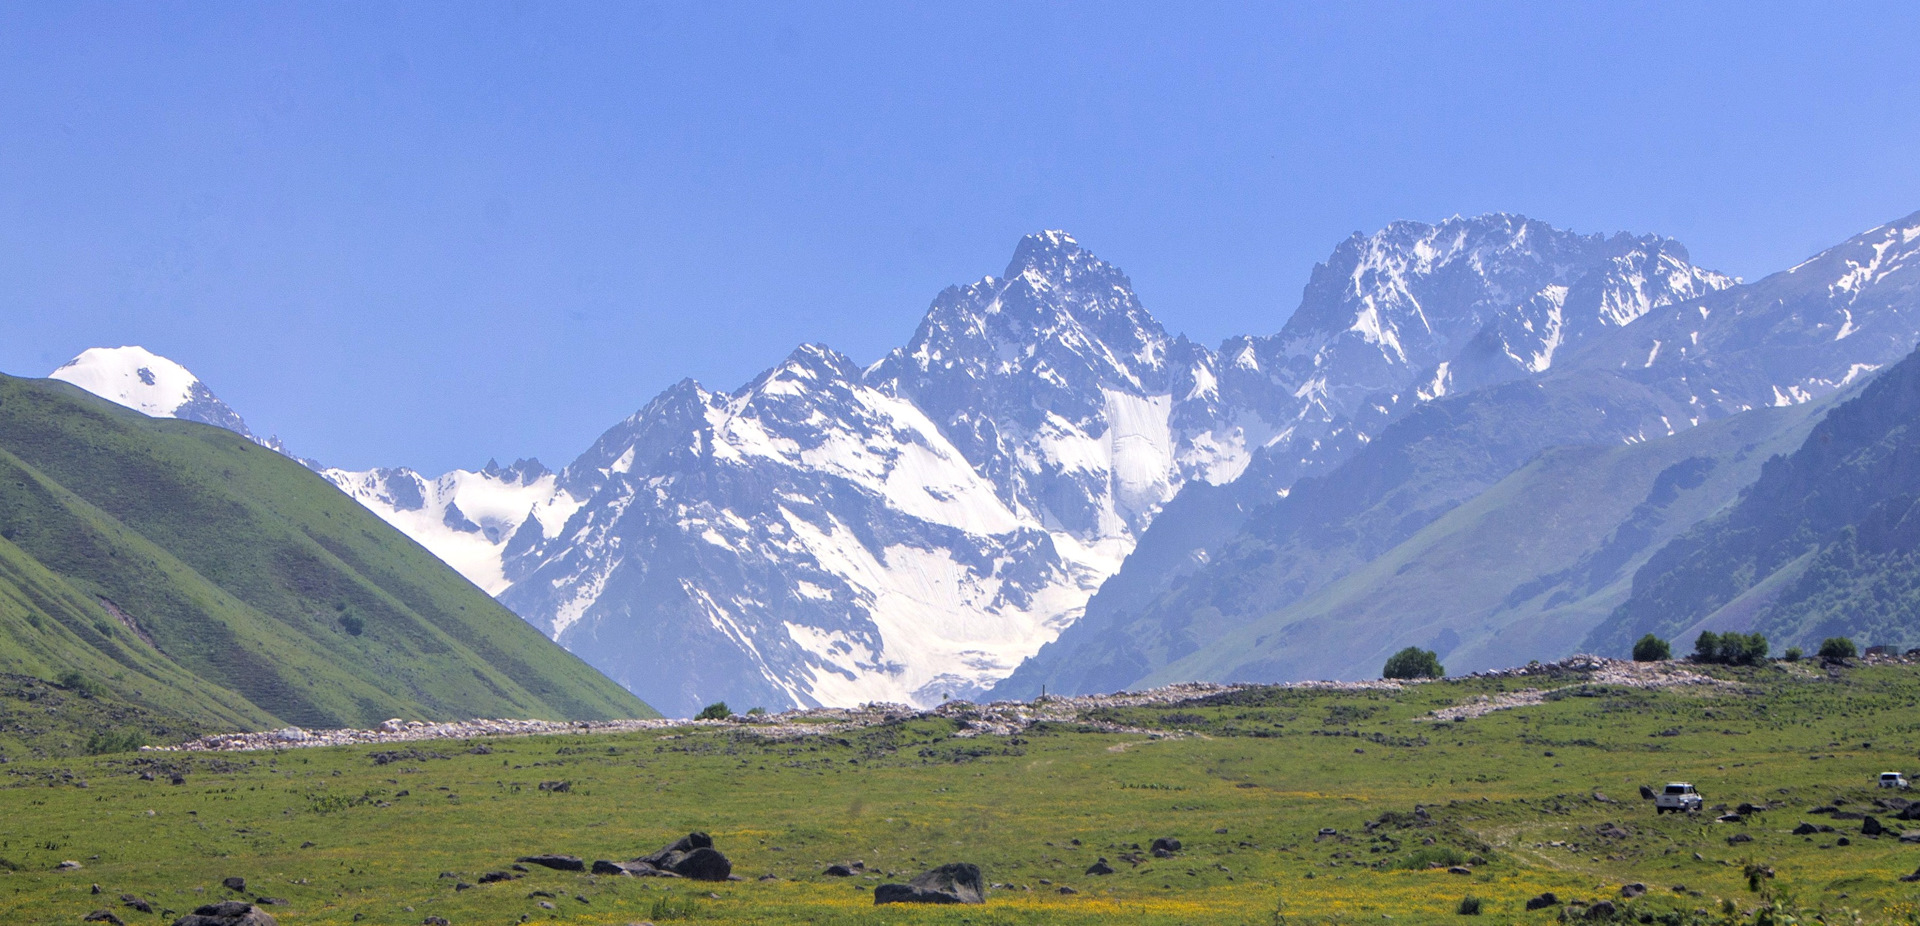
[
  {"x": 1543, "y": 901},
  {"x": 1633, "y": 890},
  {"x": 958, "y": 882},
  {"x": 692, "y": 856},
  {"x": 231, "y": 913},
  {"x": 1871, "y": 827},
  {"x": 1100, "y": 868}
]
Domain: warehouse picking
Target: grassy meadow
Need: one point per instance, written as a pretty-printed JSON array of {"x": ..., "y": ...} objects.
[{"x": 386, "y": 834}]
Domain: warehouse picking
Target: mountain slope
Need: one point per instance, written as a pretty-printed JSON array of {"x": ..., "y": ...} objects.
[
  {"x": 1825, "y": 543},
  {"x": 191, "y": 570},
  {"x": 1768, "y": 343}
]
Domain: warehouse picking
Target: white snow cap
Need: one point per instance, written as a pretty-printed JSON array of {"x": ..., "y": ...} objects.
[{"x": 132, "y": 376}]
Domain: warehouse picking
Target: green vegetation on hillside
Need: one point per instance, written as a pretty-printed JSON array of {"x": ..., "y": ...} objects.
[
  {"x": 197, "y": 581},
  {"x": 1825, "y": 543},
  {"x": 1541, "y": 796}
]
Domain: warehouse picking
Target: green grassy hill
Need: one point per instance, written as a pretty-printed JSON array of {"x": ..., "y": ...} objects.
[
  {"x": 201, "y": 581},
  {"x": 1543, "y": 796}
]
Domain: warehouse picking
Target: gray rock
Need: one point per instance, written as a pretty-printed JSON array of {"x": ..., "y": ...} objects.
[
  {"x": 1630, "y": 891},
  {"x": 958, "y": 882},
  {"x": 1871, "y": 827},
  {"x": 1543, "y": 901},
  {"x": 234, "y": 884},
  {"x": 103, "y": 915},
  {"x": 1646, "y": 793},
  {"x": 1100, "y": 868}
]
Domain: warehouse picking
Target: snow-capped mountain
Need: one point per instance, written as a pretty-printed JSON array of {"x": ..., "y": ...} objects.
[
  {"x": 1414, "y": 311},
  {"x": 1240, "y": 601},
  {"x": 912, "y": 531},
  {"x": 152, "y": 385},
  {"x": 915, "y": 529},
  {"x": 464, "y": 517}
]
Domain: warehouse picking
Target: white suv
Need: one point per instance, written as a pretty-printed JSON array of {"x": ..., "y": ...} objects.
[
  {"x": 1892, "y": 780},
  {"x": 1677, "y": 797}
]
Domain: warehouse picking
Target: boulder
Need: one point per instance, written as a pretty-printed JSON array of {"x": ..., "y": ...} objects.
[
  {"x": 493, "y": 876},
  {"x": 1100, "y": 868},
  {"x": 234, "y": 884},
  {"x": 103, "y": 915},
  {"x": 1738, "y": 838},
  {"x": 1871, "y": 827},
  {"x": 1805, "y": 829},
  {"x": 1166, "y": 843},
  {"x": 958, "y": 882},
  {"x": 1910, "y": 836},
  {"x": 1911, "y": 813},
  {"x": 1459, "y": 870},
  {"x": 555, "y": 862},
  {"x": 1630, "y": 891},
  {"x": 68, "y": 865},
  {"x": 1543, "y": 901},
  {"x": 691, "y": 856},
  {"x": 1601, "y": 911},
  {"x": 1612, "y": 831},
  {"x": 1912, "y": 877},
  {"x": 838, "y": 871},
  {"x": 435, "y": 921},
  {"x": 231, "y": 913},
  {"x": 1646, "y": 793}
]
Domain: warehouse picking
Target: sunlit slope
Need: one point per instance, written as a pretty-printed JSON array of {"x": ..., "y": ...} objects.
[{"x": 192, "y": 571}]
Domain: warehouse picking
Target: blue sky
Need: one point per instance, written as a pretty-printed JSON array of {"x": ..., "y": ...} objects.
[{"x": 425, "y": 234}]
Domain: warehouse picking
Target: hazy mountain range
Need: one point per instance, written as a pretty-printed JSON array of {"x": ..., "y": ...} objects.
[{"x": 1468, "y": 435}]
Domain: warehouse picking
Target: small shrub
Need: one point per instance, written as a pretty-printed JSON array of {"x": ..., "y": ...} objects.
[
  {"x": 1432, "y": 857},
  {"x": 1652, "y": 649},
  {"x": 1469, "y": 906},
  {"x": 352, "y": 625},
  {"x": 1413, "y": 662},
  {"x": 110, "y": 741},
  {"x": 718, "y": 710},
  {"x": 1838, "y": 648},
  {"x": 1792, "y": 654},
  {"x": 756, "y": 712},
  {"x": 79, "y": 684}
]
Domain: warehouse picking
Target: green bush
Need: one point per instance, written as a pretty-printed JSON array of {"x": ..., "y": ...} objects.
[
  {"x": 1838, "y": 648},
  {"x": 1792, "y": 654},
  {"x": 1427, "y": 857},
  {"x": 1469, "y": 906},
  {"x": 79, "y": 684},
  {"x": 352, "y": 625},
  {"x": 718, "y": 710},
  {"x": 110, "y": 741},
  {"x": 1413, "y": 662},
  {"x": 1730, "y": 649},
  {"x": 1652, "y": 649}
]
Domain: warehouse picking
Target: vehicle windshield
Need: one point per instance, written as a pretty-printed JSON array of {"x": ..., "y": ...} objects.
[{"x": 1682, "y": 789}]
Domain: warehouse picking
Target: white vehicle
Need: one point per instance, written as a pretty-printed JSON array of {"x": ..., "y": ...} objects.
[
  {"x": 1677, "y": 797},
  {"x": 1892, "y": 780}
]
